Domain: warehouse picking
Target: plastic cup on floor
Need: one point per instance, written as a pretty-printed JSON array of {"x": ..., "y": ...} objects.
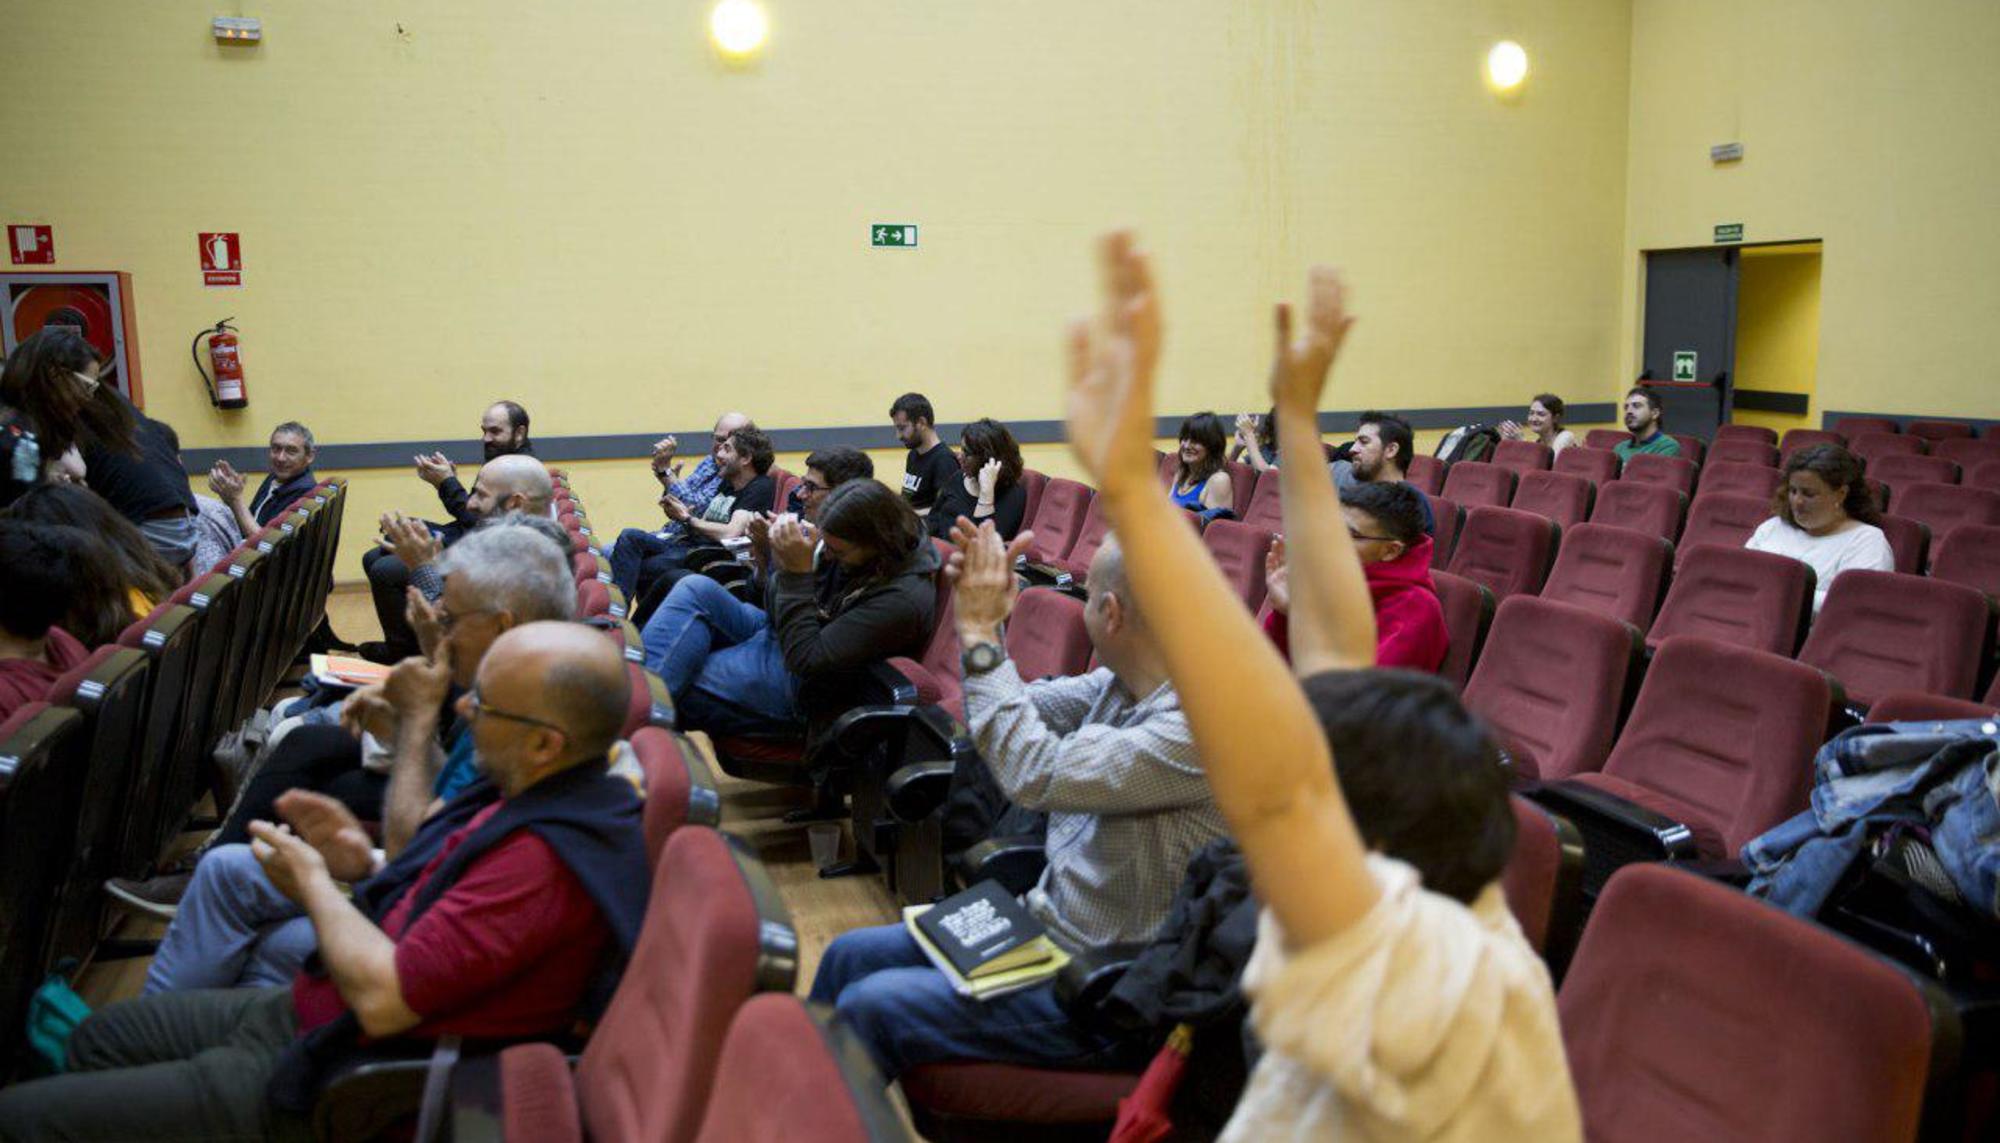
[{"x": 825, "y": 839}]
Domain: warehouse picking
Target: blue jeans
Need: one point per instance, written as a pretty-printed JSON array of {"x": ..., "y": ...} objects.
[
  {"x": 233, "y": 930},
  {"x": 906, "y": 1012},
  {"x": 721, "y": 661}
]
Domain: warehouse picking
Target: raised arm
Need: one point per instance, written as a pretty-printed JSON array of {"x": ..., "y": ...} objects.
[
  {"x": 1267, "y": 760},
  {"x": 1332, "y": 615}
]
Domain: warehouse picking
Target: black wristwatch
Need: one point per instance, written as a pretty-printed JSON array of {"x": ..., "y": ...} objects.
[{"x": 981, "y": 658}]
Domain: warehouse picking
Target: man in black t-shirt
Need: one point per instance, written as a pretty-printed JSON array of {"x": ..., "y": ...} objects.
[
  {"x": 931, "y": 465},
  {"x": 747, "y": 489}
]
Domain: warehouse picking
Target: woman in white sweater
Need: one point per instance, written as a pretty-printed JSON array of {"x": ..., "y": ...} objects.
[
  {"x": 1545, "y": 424},
  {"x": 1825, "y": 518}
]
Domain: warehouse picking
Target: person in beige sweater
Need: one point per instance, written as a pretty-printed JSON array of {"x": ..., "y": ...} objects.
[{"x": 1391, "y": 1005}]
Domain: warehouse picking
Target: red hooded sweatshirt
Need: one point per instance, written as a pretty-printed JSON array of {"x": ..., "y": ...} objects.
[{"x": 1409, "y": 620}]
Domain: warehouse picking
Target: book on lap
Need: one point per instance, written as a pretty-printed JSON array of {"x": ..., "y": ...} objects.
[{"x": 985, "y": 942}]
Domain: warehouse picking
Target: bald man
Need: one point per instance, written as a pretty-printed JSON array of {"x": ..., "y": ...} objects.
[
  {"x": 515, "y": 904},
  {"x": 634, "y": 547},
  {"x": 510, "y": 483}
]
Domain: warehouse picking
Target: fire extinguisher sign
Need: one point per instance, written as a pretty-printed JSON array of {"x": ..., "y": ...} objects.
[{"x": 221, "y": 260}]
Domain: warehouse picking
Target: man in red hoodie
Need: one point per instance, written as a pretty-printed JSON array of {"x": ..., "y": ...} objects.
[{"x": 1386, "y": 521}]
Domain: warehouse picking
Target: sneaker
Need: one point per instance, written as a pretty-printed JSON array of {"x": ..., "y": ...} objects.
[
  {"x": 156, "y": 897},
  {"x": 387, "y": 654}
]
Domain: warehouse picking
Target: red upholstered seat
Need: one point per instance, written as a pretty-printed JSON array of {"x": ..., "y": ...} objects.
[
  {"x": 1058, "y": 519},
  {"x": 1266, "y": 510},
  {"x": 1541, "y": 877},
  {"x": 1720, "y": 518},
  {"x": 1984, "y": 474},
  {"x": 1758, "y": 433},
  {"x": 1550, "y": 683},
  {"x": 1612, "y": 571},
  {"x": 1427, "y": 473},
  {"x": 1743, "y": 452},
  {"x": 1650, "y": 508},
  {"x": 1593, "y": 464},
  {"x": 1665, "y": 1022},
  {"x": 1693, "y": 448},
  {"x": 1942, "y": 507},
  {"x": 709, "y": 943},
  {"x": 1242, "y": 486},
  {"x": 1448, "y": 517},
  {"x": 942, "y": 1094},
  {"x": 109, "y": 689},
  {"x": 789, "y": 1073},
  {"x": 680, "y": 788},
  {"x": 1523, "y": 457},
  {"x": 1938, "y": 430},
  {"x": 1721, "y": 739},
  {"x": 1970, "y": 554},
  {"x": 1046, "y": 636},
  {"x": 1561, "y": 496},
  {"x": 1909, "y": 543},
  {"x": 1967, "y": 452},
  {"x": 1796, "y": 439},
  {"x": 1506, "y": 550},
  {"x": 1036, "y": 483},
  {"x": 1468, "y": 611},
  {"x": 1606, "y": 439},
  {"x": 1916, "y": 706},
  {"x": 41, "y": 787},
  {"x": 1672, "y": 472},
  {"x": 1881, "y": 631},
  {"x": 1239, "y": 549},
  {"x": 1872, "y": 447},
  {"x": 1729, "y": 478},
  {"x": 1089, "y": 537},
  {"x": 592, "y": 598},
  {"x": 1733, "y": 595},
  {"x": 1854, "y": 427},
  {"x": 1477, "y": 484},
  {"x": 646, "y": 700}
]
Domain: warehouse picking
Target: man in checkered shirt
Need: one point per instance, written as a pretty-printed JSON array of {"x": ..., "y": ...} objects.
[{"x": 1109, "y": 758}]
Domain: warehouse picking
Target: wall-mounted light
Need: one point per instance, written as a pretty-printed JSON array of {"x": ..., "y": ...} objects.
[
  {"x": 238, "y": 29},
  {"x": 1506, "y": 66},
  {"x": 739, "y": 28}
]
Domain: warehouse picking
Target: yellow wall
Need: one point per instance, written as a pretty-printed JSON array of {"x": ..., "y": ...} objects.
[
  {"x": 577, "y": 206},
  {"x": 1777, "y": 331},
  {"x": 1864, "y": 123}
]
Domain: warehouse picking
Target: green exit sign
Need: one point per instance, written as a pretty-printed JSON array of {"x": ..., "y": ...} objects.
[
  {"x": 892, "y": 234},
  {"x": 1728, "y": 232}
]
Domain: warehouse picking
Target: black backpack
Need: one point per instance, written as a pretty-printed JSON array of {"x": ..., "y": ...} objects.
[{"x": 1468, "y": 442}]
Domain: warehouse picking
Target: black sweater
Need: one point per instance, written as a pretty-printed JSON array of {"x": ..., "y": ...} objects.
[{"x": 825, "y": 622}]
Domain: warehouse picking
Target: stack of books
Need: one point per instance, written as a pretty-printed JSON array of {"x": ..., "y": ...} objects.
[{"x": 985, "y": 942}]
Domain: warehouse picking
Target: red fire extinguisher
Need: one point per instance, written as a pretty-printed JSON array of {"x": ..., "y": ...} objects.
[{"x": 226, "y": 389}]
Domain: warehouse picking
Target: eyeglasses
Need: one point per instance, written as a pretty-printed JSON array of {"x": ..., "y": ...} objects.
[
  {"x": 811, "y": 488},
  {"x": 88, "y": 382},
  {"x": 475, "y": 708}
]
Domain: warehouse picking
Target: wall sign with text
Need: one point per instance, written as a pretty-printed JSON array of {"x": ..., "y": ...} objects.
[{"x": 221, "y": 259}]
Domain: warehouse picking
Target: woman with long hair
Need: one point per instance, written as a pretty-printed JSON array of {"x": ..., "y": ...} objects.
[
  {"x": 96, "y": 605},
  {"x": 1825, "y": 517},
  {"x": 51, "y": 402},
  {"x": 143, "y": 578},
  {"x": 1545, "y": 424},
  {"x": 1201, "y": 484},
  {"x": 991, "y": 488}
]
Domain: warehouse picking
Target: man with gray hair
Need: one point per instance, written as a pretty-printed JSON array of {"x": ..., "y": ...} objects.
[
  {"x": 636, "y": 547},
  {"x": 225, "y": 520}
]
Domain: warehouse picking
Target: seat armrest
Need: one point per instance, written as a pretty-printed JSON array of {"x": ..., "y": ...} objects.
[
  {"x": 731, "y": 571},
  {"x": 362, "y": 1097},
  {"x": 1045, "y": 575},
  {"x": 929, "y": 731},
  {"x": 1015, "y": 862},
  {"x": 700, "y": 558},
  {"x": 1616, "y": 832},
  {"x": 916, "y": 791},
  {"x": 1091, "y": 974},
  {"x": 525, "y": 1092}
]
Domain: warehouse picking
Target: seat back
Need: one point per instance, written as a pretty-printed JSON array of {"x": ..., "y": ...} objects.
[
  {"x": 592, "y": 598},
  {"x": 1970, "y": 554},
  {"x": 1561, "y": 496},
  {"x": 1909, "y": 543},
  {"x": 715, "y": 934},
  {"x": 1855, "y": 427},
  {"x": 790, "y": 1072},
  {"x": 1506, "y": 550},
  {"x": 1693, "y": 448},
  {"x": 1670, "y": 471},
  {"x": 1730, "y": 478},
  {"x": 109, "y": 689},
  {"x": 1612, "y": 571},
  {"x": 1089, "y": 537},
  {"x": 1984, "y": 474},
  {"x": 1543, "y": 878},
  {"x": 1476, "y": 483},
  {"x": 680, "y": 786},
  {"x": 1036, "y": 483},
  {"x": 1881, "y": 631},
  {"x": 41, "y": 788},
  {"x": 1942, "y": 507},
  {"x": 162, "y": 789},
  {"x": 1523, "y": 457},
  {"x": 1266, "y": 508},
  {"x": 1733, "y": 595},
  {"x": 1447, "y": 516},
  {"x": 1938, "y": 430},
  {"x": 1551, "y": 683},
  {"x": 1058, "y": 519},
  {"x": 1758, "y": 433},
  {"x": 1796, "y": 439},
  {"x": 1650, "y": 508},
  {"x": 1872, "y": 447},
  {"x": 1242, "y": 486},
  {"x": 1743, "y": 452},
  {"x": 1468, "y": 611},
  {"x": 1605, "y": 438},
  {"x": 1723, "y": 519},
  {"x": 1239, "y": 549},
  {"x": 1427, "y": 473},
  {"x": 1046, "y": 636},
  {"x": 1966, "y": 452},
  {"x": 1660, "y": 1016},
  {"x": 1593, "y": 464},
  {"x": 647, "y": 702},
  {"x": 1916, "y": 706},
  {"x": 219, "y": 645},
  {"x": 783, "y": 484},
  {"x": 1726, "y": 729}
]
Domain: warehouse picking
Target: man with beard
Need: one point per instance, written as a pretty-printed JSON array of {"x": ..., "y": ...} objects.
[
  {"x": 503, "y": 431},
  {"x": 1380, "y": 454},
  {"x": 1644, "y": 419}
]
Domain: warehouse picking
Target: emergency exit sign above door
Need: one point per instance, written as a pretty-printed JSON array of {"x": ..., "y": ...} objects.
[
  {"x": 892, "y": 234},
  {"x": 1728, "y": 232},
  {"x": 1684, "y": 365}
]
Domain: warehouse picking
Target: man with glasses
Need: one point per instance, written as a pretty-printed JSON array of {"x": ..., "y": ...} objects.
[
  {"x": 1387, "y": 527},
  {"x": 509, "y": 915},
  {"x": 638, "y": 556}
]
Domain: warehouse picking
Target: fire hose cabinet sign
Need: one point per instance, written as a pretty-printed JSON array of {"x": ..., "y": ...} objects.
[{"x": 97, "y": 304}]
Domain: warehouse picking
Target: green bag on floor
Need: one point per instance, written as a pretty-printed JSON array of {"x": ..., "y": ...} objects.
[{"x": 54, "y": 1013}]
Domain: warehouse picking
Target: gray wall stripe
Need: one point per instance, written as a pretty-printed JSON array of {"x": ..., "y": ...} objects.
[{"x": 626, "y": 446}]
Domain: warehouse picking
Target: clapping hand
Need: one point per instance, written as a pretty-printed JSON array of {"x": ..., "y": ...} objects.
[
  {"x": 417, "y": 685},
  {"x": 759, "y": 531},
  {"x": 435, "y": 469},
  {"x": 1299, "y": 367},
  {"x": 792, "y": 543},
  {"x": 981, "y": 572},
  {"x": 288, "y": 861},
  {"x": 410, "y": 539},
  {"x": 424, "y": 620},
  {"x": 675, "y": 510},
  {"x": 330, "y": 827},
  {"x": 225, "y": 482},
  {"x": 1277, "y": 583},
  {"x": 1111, "y": 363},
  {"x": 367, "y": 711}
]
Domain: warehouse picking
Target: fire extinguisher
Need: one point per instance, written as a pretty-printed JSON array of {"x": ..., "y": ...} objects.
[{"x": 226, "y": 389}]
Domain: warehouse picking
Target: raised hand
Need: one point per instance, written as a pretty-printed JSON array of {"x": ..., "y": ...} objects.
[
  {"x": 1111, "y": 364},
  {"x": 330, "y": 827},
  {"x": 417, "y": 685},
  {"x": 792, "y": 543},
  {"x": 424, "y": 619},
  {"x": 410, "y": 539},
  {"x": 1277, "y": 581},
  {"x": 1299, "y": 367},
  {"x": 225, "y": 482},
  {"x": 759, "y": 531},
  {"x": 664, "y": 449},
  {"x": 983, "y": 586},
  {"x": 989, "y": 479},
  {"x": 675, "y": 510},
  {"x": 435, "y": 469}
]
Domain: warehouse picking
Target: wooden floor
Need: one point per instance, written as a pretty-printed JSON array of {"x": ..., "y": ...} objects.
[{"x": 821, "y": 910}]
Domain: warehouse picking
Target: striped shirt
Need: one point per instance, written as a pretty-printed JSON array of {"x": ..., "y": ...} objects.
[{"x": 1127, "y": 801}]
